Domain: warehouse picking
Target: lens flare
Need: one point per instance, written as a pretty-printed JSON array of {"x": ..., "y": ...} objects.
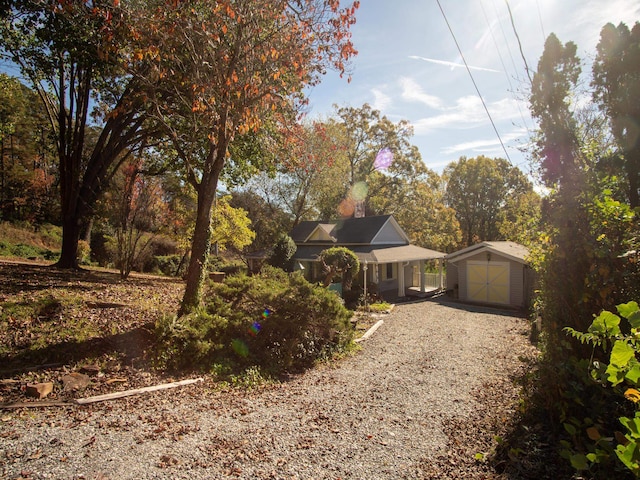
[{"x": 384, "y": 159}]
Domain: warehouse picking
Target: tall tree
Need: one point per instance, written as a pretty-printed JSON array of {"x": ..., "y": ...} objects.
[
  {"x": 365, "y": 132},
  {"x": 224, "y": 68},
  {"x": 559, "y": 151},
  {"x": 478, "y": 189},
  {"x": 26, "y": 176},
  {"x": 616, "y": 82},
  {"x": 70, "y": 52},
  {"x": 311, "y": 180},
  {"x": 413, "y": 194}
]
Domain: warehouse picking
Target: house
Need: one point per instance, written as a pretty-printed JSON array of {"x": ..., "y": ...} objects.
[
  {"x": 491, "y": 273},
  {"x": 390, "y": 265}
]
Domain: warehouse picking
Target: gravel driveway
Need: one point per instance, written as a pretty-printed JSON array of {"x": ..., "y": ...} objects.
[{"x": 390, "y": 411}]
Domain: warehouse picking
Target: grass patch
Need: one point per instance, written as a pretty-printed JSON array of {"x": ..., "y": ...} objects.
[
  {"x": 378, "y": 307},
  {"x": 24, "y": 241}
]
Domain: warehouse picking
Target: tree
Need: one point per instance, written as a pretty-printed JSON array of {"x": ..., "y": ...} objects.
[
  {"x": 478, "y": 189},
  {"x": 616, "y": 83},
  {"x": 231, "y": 227},
  {"x": 283, "y": 251},
  {"x": 519, "y": 220},
  {"x": 223, "y": 70},
  {"x": 363, "y": 133},
  {"x": 138, "y": 213},
  {"x": 26, "y": 178},
  {"x": 339, "y": 261},
  {"x": 268, "y": 221},
  {"x": 312, "y": 179},
  {"x": 413, "y": 194},
  {"x": 558, "y": 149},
  {"x": 72, "y": 53}
]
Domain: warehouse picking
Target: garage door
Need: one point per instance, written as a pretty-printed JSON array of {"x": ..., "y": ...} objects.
[{"x": 488, "y": 282}]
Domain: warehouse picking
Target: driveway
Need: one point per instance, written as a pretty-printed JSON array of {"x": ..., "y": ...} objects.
[{"x": 396, "y": 409}]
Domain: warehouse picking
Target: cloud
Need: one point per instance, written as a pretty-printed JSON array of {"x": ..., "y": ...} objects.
[
  {"x": 412, "y": 92},
  {"x": 380, "y": 99},
  {"x": 487, "y": 145},
  {"x": 452, "y": 64},
  {"x": 468, "y": 113}
]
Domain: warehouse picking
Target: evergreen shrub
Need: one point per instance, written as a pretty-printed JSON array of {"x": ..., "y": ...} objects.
[{"x": 275, "y": 321}]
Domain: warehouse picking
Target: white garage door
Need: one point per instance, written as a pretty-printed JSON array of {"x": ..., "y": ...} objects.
[{"x": 488, "y": 282}]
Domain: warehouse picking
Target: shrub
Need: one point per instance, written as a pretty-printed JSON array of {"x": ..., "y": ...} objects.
[
  {"x": 84, "y": 252},
  {"x": 620, "y": 344},
  {"x": 339, "y": 262},
  {"x": 170, "y": 265},
  {"x": 283, "y": 251},
  {"x": 274, "y": 321}
]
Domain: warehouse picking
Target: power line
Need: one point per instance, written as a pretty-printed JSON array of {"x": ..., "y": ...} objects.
[
  {"x": 506, "y": 42},
  {"x": 544, "y": 36},
  {"x": 474, "y": 82},
  {"x": 515, "y": 32},
  {"x": 504, "y": 67}
]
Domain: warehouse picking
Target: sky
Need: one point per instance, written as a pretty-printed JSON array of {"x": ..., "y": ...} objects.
[{"x": 409, "y": 68}]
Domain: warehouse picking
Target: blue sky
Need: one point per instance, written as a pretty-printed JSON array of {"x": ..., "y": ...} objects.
[{"x": 408, "y": 67}]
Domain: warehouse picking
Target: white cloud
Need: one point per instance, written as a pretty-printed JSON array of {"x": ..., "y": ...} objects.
[
  {"x": 486, "y": 145},
  {"x": 380, "y": 100},
  {"x": 468, "y": 112},
  {"x": 412, "y": 92},
  {"x": 453, "y": 64},
  {"x": 473, "y": 145}
]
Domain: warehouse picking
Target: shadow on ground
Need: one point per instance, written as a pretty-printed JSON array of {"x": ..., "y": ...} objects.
[{"x": 129, "y": 347}]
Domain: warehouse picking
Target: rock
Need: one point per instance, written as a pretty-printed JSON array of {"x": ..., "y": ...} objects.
[
  {"x": 39, "y": 390},
  {"x": 76, "y": 381}
]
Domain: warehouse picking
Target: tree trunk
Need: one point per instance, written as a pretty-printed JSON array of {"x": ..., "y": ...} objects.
[
  {"x": 199, "y": 253},
  {"x": 70, "y": 236}
]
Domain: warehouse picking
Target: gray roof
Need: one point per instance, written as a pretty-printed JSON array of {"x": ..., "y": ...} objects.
[
  {"x": 349, "y": 231},
  {"x": 375, "y": 254},
  {"x": 511, "y": 250}
]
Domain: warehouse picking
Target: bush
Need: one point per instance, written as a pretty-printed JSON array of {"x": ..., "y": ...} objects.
[
  {"x": 283, "y": 251},
  {"x": 274, "y": 321},
  {"x": 170, "y": 265}
]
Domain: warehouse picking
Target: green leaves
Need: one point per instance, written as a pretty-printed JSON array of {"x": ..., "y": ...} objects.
[
  {"x": 631, "y": 312},
  {"x": 606, "y": 323},
  {"x": 623, "y": 368},
  {"x": 629, "y": 453}
]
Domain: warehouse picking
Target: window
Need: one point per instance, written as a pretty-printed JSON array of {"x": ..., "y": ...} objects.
[{"x": 387, "y": 271}]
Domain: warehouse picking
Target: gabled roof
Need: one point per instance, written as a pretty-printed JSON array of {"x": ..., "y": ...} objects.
[
  {"x": 511, "y": 250},
  {"x": 379, "y": 230},
  {"x": 374, "y": 255}
]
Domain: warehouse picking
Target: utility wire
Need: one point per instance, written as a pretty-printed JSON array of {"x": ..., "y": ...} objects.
[
  {"x": 504, "y": 67},
  {"x": 474, "y": 82},
  {"x": 515, "y": 31},
  {"x": 506, "y": 42},
  {"x": 544, "y": 36}
]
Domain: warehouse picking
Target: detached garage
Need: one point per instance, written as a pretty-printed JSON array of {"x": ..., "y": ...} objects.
[{"x": 491, "y": 273}]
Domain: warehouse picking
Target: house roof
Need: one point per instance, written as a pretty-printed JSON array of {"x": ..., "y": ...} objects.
[
  {"x": 381, "y": 229},
  {"x": 374, "y": 254},
  {"x": 513, "y": 251}
]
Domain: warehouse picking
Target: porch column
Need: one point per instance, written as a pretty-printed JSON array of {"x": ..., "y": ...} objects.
[
  {"x": 423, "y": 287},
  {"x": 401, "y": 292},
  {"x": 441, "y": 264}
]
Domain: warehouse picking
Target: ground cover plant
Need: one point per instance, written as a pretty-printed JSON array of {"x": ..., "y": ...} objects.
[{"x": 274, "y": 321}]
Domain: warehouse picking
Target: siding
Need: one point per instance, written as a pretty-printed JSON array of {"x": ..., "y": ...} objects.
[{"x": 457, "y": 274}]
